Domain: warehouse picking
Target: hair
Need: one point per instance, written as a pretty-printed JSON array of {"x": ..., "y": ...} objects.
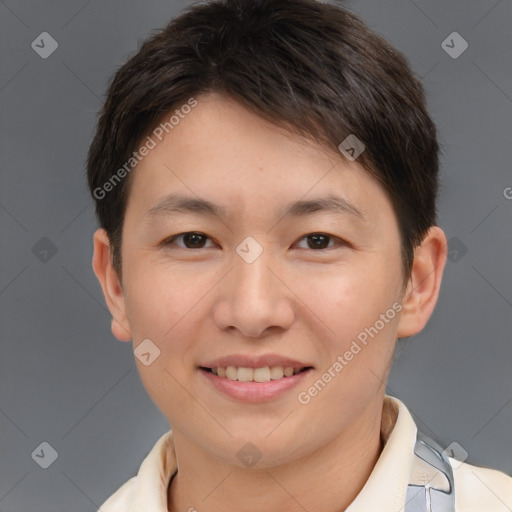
[{"x": 313, "y": 68}]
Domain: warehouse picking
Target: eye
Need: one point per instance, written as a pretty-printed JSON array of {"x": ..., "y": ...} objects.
[
  {"x": 196, "y": 240},
  {"x": 191, "y": 239},
  {"x": 318, "y": 241}
]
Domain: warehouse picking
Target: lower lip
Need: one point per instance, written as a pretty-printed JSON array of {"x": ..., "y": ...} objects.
[{"x": 254, "y": 391}]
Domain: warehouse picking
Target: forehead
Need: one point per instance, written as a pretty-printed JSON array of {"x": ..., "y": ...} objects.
[{"x": 221, "y": 157}]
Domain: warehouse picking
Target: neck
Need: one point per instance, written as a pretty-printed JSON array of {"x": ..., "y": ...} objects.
[{"x": 329, "y": 478}]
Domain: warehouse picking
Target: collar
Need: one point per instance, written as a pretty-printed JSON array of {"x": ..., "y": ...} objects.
[{"x": 385, "y": 489}]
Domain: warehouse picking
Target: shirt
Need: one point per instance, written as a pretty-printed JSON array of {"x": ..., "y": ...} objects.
[{"x": 477, "y": 489}]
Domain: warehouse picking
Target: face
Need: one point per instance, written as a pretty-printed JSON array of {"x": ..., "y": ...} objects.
[{"x": 266, "y": 279}]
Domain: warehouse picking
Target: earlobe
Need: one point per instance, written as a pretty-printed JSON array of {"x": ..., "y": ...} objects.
[
  {"x": 119, "y": 331},
  {"x": 424, "y": 284},
  {"x": 112, "y": 290}
]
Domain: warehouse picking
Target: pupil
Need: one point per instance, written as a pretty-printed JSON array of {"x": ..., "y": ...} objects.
[
  {"x": 317, "y": 240},
  {"x": 196, "y": 239}
]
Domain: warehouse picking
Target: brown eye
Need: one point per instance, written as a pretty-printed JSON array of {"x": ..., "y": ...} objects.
[
  {"x": 191, "y": 240},
  {"x": 319, "y": 241},
  {"x": 316, "y": 241}
]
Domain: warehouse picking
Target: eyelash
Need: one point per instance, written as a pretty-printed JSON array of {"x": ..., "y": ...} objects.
[{"x": 170, "y": 241}]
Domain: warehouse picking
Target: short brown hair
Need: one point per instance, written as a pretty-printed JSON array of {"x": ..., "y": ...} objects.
[{"x": 311, "y": 67}]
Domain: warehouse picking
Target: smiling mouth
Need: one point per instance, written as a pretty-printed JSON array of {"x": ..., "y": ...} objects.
[{"x": 263, "y": 374}]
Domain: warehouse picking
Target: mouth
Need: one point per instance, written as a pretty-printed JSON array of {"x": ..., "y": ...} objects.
[
  {"x": 258, "y": 384},
  {"x": 262, "y": 374}
]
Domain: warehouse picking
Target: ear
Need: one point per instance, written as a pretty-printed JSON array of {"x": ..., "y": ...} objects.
[
  {"x": 424, "y": 284},
  {"x": 112, "y": 290}
]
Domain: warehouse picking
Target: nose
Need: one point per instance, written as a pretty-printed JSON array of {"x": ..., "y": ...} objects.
[{"x": 253, "y": 298}]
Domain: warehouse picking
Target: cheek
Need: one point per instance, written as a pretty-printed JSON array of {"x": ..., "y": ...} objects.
[
  {"x": 161, "y": 307},
  {"x": 347, "y": 308},
  {"x": 158, "y": 303},
  {"x": 342, "y": 300}
]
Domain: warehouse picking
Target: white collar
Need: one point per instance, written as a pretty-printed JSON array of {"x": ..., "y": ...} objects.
[{"x": 385, "y": 489}]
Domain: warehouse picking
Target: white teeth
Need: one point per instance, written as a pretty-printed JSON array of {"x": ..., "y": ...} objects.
[
  {"x": 288, "y": 371},
  {"x": 244, "y": 374},
  {"x": 261, "y": 374},
  {"x": 276, "y": 372},
  {"x": 264, "y": 374},
  {"x": 231, "y": 372}
]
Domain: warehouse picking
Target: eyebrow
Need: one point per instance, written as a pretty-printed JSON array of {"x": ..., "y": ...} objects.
[{"x": 177, "y": 203}]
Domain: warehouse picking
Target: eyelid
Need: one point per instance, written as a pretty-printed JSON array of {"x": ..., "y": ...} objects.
[
  {"x": 171, "y": 239},
  {"x": 338, "y": 241}
]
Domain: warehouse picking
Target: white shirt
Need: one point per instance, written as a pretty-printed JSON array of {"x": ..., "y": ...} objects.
[{"x": 476, "y": 489}]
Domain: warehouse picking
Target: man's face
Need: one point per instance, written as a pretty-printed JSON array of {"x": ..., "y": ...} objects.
[{"x": 214, "y": 295}]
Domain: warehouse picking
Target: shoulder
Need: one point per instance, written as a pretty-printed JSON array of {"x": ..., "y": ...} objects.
[
  {"x": 121, "y": 499},
  {"x": 149, "y": 487},
  {"x": 479, "y": 488}
]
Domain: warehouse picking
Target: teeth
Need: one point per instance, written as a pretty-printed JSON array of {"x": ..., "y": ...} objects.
[
  {"x": 276, "y": 372},
  {"x": 231, "y": 373},
  {"x": 264, "y": 374},
  {"x": 245, "y": 374},
  {"x": 261, "y": 374}
]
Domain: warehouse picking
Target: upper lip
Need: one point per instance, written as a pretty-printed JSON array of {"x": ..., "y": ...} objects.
[{"x": 254, "y": 361}]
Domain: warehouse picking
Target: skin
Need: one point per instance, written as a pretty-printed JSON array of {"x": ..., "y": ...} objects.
[{"x": 196, "y": 304}]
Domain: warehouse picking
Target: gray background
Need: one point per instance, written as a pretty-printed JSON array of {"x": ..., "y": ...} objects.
[{"x": 65, "y": 380}]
